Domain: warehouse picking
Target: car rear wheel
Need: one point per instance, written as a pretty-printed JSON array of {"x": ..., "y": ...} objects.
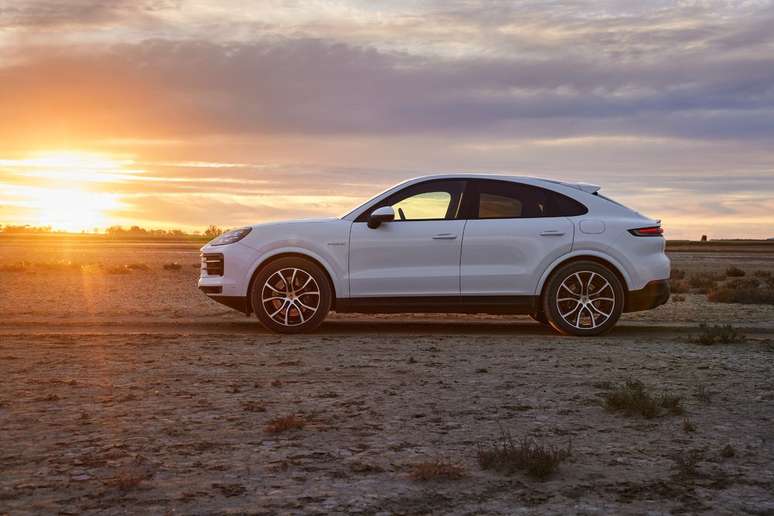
[
  {"x": 291, "y": 295},
  {"x": 583, "y": 298}
]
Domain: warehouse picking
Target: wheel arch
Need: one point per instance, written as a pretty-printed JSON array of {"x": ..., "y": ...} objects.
[
  {"x": 268, "y": 259},
  {"x": 604, "y": 260}
]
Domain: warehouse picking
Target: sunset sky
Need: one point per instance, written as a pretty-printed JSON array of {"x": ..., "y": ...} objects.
[{"x": 184, "y": 113}]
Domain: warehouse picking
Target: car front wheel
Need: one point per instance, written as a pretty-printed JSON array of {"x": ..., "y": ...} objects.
[
  {"x": 583, "y": 298},
  {"x": 291, "y": 295}
]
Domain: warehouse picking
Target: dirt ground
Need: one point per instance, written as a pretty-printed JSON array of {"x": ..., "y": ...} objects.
[{"x": 132, "y": 393}]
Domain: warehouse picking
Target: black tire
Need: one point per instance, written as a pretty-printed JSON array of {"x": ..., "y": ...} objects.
[
  {"x": 598, "y": 291},
  {"x": 540, "y": 317},
  {"x": 286, "y": 313}
]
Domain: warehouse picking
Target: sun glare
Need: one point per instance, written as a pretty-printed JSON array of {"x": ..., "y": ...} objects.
[
  {"x": 65, "y": 193},
  {"x": 73, "y": 210}
]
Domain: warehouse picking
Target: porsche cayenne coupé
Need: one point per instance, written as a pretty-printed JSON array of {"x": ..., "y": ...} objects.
[{"x": 560, "y": 252}]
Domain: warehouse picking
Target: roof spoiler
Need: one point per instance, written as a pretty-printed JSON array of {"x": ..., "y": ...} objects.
[{"x": 584, "y": 187}]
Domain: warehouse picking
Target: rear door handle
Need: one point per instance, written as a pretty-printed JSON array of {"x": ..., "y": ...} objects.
[
  {"x": 552, "y": 232},
  {"x": 445, "y": 236}
]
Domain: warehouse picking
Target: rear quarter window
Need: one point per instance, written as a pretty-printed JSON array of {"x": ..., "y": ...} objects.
[{"x": 563, "y": 206}]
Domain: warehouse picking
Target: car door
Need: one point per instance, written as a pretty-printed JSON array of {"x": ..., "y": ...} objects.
[
  {"x": 510, "y": 238},
  {"x": 417, "y": 254}
]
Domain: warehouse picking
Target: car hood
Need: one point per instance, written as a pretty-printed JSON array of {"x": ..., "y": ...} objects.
[{"x": 266, "y": 225}]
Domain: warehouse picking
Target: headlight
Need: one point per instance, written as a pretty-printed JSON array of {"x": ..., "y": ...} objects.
[{"x": 229, "y": 237}]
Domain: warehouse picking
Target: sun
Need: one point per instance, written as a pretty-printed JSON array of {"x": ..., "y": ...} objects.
[
  {"x": 73, "y": 209},
  {"x": 66, "y": 189}
]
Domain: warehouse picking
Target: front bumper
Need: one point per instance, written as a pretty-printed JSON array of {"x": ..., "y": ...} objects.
[
  {"x": 227, "y": 283},
  {"x": 654, "y": 294}
]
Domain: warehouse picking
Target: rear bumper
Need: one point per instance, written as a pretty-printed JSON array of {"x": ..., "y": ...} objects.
[{"x": 654, "y": 294}]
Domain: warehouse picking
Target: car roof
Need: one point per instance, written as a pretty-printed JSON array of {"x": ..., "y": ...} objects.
[{"x": 585, "y": 187}]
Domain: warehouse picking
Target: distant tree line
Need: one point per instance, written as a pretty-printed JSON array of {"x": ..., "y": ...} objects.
[{"x": 211, "y": 232}]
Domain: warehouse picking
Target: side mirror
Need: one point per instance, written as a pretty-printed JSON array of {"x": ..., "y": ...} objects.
[{"x": 379, "y": 215}]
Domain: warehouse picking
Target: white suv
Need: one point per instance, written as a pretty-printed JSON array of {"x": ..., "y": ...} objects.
[{"x": 560, "y": 252}]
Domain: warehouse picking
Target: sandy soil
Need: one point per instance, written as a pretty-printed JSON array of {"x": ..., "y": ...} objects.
[{"x": 133, "y": 393}]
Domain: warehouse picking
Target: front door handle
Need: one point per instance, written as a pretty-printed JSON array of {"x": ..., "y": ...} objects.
[
  {"x": 445, "y": 236},
  {"x": 552, "y": 232}
]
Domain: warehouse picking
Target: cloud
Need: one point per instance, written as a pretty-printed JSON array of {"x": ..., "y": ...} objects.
[
  {"x": 312, "y": 86},
  {"x": 47, "y": 14}
]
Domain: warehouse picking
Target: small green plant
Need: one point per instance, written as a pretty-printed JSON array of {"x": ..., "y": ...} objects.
[
  {"x": 633, "y": 399},
  {"x": 716, "y": 334},
  {"x": 727, "y": 451},
  {"x": 703, "y": 394},
  {"x": 508, "y": 456},
  {"x": 686, "y": 464},
  {"x": 734, "y": 272}
]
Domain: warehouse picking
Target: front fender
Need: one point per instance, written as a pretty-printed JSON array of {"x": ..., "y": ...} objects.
[{"x": 335, "y": 268}]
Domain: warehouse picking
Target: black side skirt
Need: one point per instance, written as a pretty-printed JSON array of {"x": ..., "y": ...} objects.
[{"x": 439, "y": 304}]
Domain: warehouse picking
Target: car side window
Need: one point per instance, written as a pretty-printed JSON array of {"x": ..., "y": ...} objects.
[
  {"x": 432, "y": 200},
  {"x": 423, "y": 206},
  {"x": 492, "y": 199}
]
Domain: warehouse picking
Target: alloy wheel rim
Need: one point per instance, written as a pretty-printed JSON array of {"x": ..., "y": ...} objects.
[
  {"x": 290, "y": 296},
  {"x": 585, "y": 300}
]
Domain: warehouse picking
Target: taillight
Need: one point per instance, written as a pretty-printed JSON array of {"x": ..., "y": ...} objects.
[{"x": 649, "y": 231}]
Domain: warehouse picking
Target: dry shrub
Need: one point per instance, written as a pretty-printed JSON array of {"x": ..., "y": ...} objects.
[
  {"x": 680, "y": 286},
  {"x": 253, "y": 406},
  {"x": 116, "y": 269},
  {"x": 688, "y": 426},
  {"x": 127, "y": 478},
  {"x": 677, "y": 274},
  {"x": 284, "y": 423},
  {"x": 508, "y": 456},
  {"x": 633, "y": 399},
  {"x": 437, "y": 470},
  {"x": 704, "y": 281},
  {"x": 762, "y": 274},
  {"x": 727, "y": 451},
  {"x": 138, "y": 267},
  {"x": 717, "y": 334},
  {"x": 745, "y": 296},
  {"x": 174, "y": 266},
  {"x": 734, "y": 272},
  {"x": 742, "y": 283},
  {"x": 16, "y": 267},
  {"x": 678, "y": 299}
]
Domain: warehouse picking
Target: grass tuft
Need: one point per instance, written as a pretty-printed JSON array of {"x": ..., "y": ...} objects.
[
  {"x": 509, "y": 456},
  {"x": 734, "y": 272},
  {"x": 716, "y": 334},
  {"x": 437, "y": 470},
  {"x": 633, "y": 399},
  {"x": 727, "y": 451}
]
